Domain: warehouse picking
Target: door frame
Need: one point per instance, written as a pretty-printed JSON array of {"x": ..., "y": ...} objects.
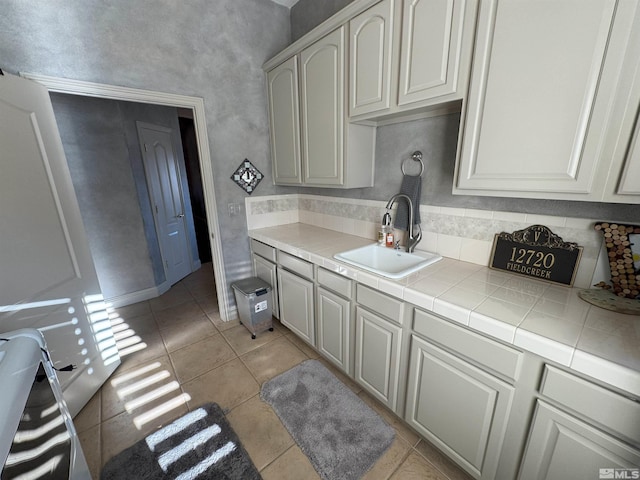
[{"x": 114, "y": 92}]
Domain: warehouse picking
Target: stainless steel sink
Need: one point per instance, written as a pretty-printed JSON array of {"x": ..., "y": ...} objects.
[{"x": 387, "y": 262}]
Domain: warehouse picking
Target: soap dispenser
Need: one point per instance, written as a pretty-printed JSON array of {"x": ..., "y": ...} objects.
[
  {"x": 382, "y": 230},
  {"x": 385, "y": 235}
]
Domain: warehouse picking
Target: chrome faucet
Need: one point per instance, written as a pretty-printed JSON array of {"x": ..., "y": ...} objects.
[{"x": 413, "y": 239}]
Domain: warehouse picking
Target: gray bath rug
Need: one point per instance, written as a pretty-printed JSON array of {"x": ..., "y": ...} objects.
[
  {"x": 339, "y": 433},
  {"x": 199, "y": 445}
]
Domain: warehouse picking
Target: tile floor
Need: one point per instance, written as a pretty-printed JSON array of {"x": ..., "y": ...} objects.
[{"x": 177, "y": 354}]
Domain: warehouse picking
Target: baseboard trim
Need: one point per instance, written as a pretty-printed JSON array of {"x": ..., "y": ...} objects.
[
  {"x": 233, "y": 313},
  {"x": 139, "y": 296}
]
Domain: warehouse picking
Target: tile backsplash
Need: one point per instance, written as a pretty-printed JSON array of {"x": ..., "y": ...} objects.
[{"x": 459, "y": 233}]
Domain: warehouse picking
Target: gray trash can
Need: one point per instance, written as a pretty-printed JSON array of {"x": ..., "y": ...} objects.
[{"x": 254, "y": 304}]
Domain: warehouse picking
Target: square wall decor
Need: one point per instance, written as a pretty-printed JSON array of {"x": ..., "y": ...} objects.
[{"x": 247, "y": 176}]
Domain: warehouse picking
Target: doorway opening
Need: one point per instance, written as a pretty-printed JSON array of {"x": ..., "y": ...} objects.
[
  {"x": 194, "y": 179},
  {"x": 196, "y": 106}
]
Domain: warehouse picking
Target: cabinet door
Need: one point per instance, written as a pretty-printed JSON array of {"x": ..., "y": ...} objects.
[
  {"x": 378, "y": 356},
  {"x": 284, "y": 123},
  {"x": 322, "y": 109},
  {"x": 266, "y": 270},
  {"x": 561, "y": 446},
  {"x": 623, "y": 175},
  {"x": 629, "y": 186},
  {"x": 431, "y": 48},
  {"x": 370, "y": 59},
  {"x": 458, "y": 407},
  {"x": 296, "y": 304},
  {"x": 544, "y": 78},
  {"x": 334, "y": 324}
]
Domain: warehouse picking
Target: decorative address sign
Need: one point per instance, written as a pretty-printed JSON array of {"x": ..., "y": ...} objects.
[{"x": 536, "y": 252}]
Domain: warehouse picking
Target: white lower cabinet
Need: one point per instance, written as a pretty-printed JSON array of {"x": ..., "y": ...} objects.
[
  {"x": 263, "y": 258},
  {"x": 588, "y": 428},
  {"x": 458, "y": 407},
  {"x": 377, "y": 364},
  {"x": 267, "y": 271},
  {"x": 494, "y": 410},
  {"x": 334, "y": 325},
  {"x": 296, "y": 305},
  {"x": 561, "y": 446}
]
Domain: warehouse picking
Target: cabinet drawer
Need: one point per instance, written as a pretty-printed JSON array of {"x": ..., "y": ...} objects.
[
  {"x": 380, "y": 303},
  {"x": 491, "y": 354},
  {"x": 339, "y": 284},
  {"x": 295, "y": 264},
  {"x": 608, "y": 408},
  {"x": 263, "y": 250}
]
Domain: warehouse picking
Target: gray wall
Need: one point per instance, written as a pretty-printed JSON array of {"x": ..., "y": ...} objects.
[
  {"x": 210, "y": 49},
  {"x": 437, "y": 138},
  {"x": 307, "y": 14},
  {"x": 103, "y": 151}
]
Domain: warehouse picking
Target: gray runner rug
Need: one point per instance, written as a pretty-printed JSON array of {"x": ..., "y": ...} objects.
[
  {"x": 199, "y": 445},
  {"x": 342, "y": 436}
]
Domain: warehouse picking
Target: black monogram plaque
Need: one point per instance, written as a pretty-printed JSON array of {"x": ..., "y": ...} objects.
[{"x": 536, "y": 252}]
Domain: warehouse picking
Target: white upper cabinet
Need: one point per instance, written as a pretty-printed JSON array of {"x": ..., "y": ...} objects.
[
  {"x": 630, "y": 177},
  {"x": 322, "y": 109},
  {"x": 546, "y": 99},
  {"x": 623, "y": 180},
  {"x": 311, "y": 142},
  {"x": 431, "y": 51},
  {"x": 284, "y": 123},
  {"x": 408, "y": 55},
  {"x": 370, "y": 59}
]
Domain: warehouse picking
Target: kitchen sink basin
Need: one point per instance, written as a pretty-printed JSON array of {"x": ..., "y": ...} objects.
[{"x": 387, "y": 262}]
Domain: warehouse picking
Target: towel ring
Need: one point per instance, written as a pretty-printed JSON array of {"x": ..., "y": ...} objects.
[{"x": 417, "y": 157}]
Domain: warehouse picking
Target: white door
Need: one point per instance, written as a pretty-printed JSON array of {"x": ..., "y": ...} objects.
[
  {"x": 163, "y": 180},
  {"x": 47, "y": 276}
]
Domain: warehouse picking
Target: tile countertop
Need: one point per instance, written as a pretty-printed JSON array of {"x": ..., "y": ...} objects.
[{"x": 546, "y": 319}]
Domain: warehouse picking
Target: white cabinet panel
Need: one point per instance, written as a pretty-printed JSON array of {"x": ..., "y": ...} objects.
[
  {"x": 623, "y": 178},
  {"x": 377, "y": 366},
  {"x": 296, "y": 305},
  {"x": 267, "y": 271},
  {"x": 370, "y": 59},
  {"x": 544, "y": 79},
  {"x": 630, "y": 181},
  {"x": 376, "y": 301},
  {"x": 561, "y": 446},
  {"x": 489, "y": 354},
  {"x": 458, "y": 407},
  {"x": 322, "y": 109},
  {"x": 334, "y": 324},
  {"x": 284, "y": 123},
  {"x": 431, "y": 48}
]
